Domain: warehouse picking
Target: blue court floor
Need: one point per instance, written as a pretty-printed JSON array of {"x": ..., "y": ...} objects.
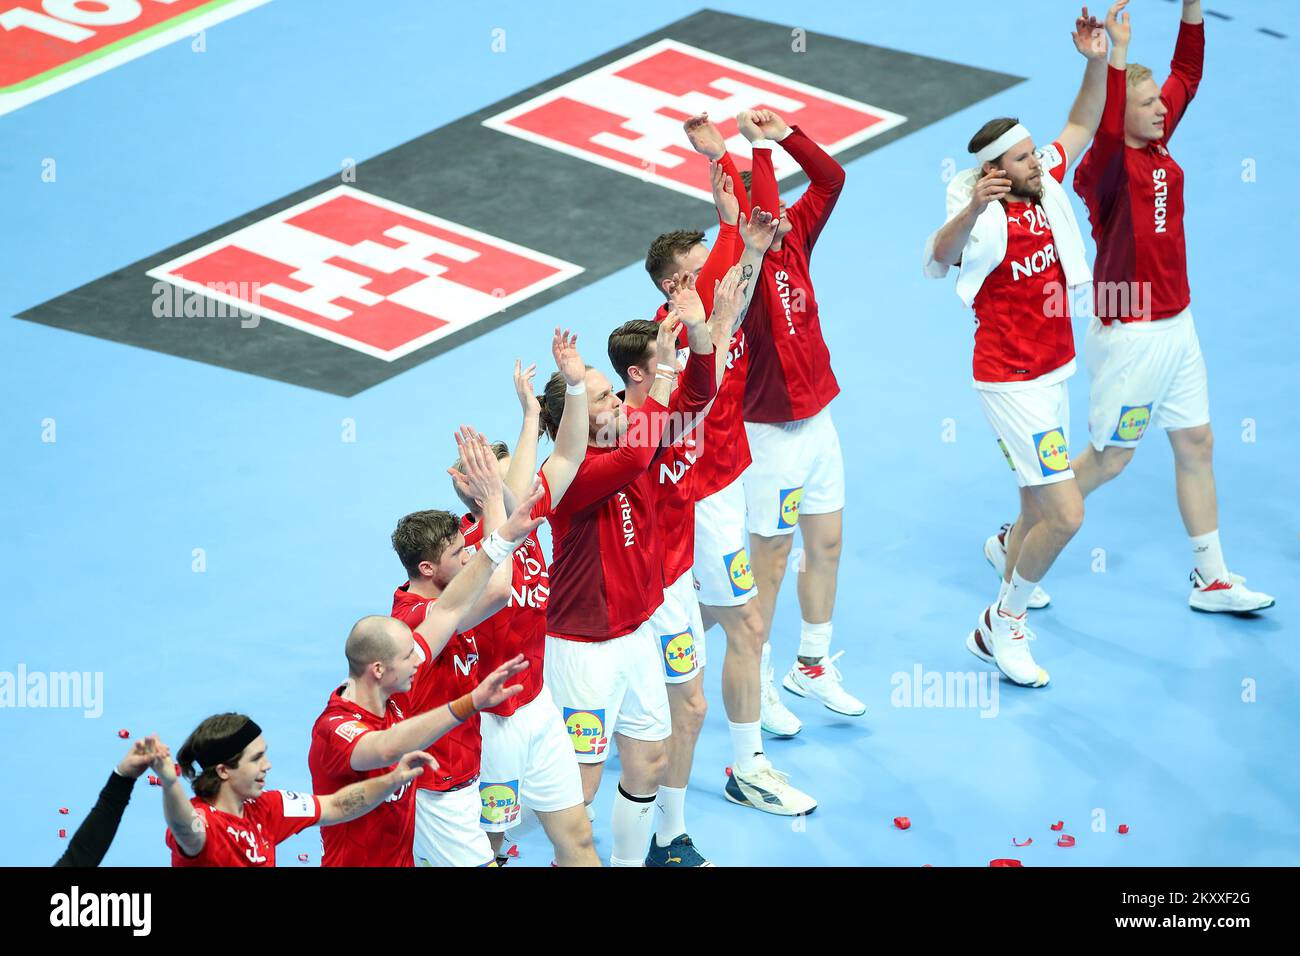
[{"x": 1182, "y": 726}]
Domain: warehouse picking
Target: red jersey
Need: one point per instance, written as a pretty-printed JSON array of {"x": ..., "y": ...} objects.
[
  {"x": 606, "y": 568},
  {"x": 1022, "y": 311},
  {"x": 382, "y": 837},
  {"x": 1134, "y": 197},
  {"x": 520, "y": 626},
  {"x": 676, "y": 477},
  {"x": 441, "y": 679},
  {"x": 790, "y": 375},
  {"x": 250, "y": 839}
]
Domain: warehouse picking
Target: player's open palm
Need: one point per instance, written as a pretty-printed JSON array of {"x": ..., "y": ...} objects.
[
  {"x": 521, "y": 523},
  {"x": 1089, "y": 36},
  {"x": 564, "y": 346},
  {"x": 163, "y": 764},
  {"x": 496, "y": 687},
  {"x": 524, "y": 388},
  {"x": 759, "y": 230},
  {"x": 480, "y": 477},
  {"x": 728, "y": 300},
  {"x": 705, "y": 137},
  {"x": 724, "y": 194},
  {"x": 1117, "y": 24},
  {"x": 685, "y": 300},
  {"x": 666, "y": 339}
]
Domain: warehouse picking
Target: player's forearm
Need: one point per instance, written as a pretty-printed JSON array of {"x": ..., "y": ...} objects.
[
  {"x": 180, "y": 817},
  {"x": 1088, "y": 105},
  {"x": 95, "y": 835},
  {"x": 570, "y": 446},
  {"x": 384, "y": 748},
  {"x": 1110, "y": 131},
  {"x": 443, "y": 618},
  {"x": 737, "y": 186},
  {"x": 825, "y": 175},
  {"x": 762, "y": 182},
  {"x": 751, "y": 265},
  {"x": 1192, "y": 12},
  {"x": 721, "y": 256},
  {"x": 523, "y": 460},
  {"x": 951, "y": 238},
  {"x": 356, "y": 799}
]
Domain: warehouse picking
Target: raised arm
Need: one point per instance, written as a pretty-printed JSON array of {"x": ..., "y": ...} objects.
[
  {"x": 383, "y": 748},
  {"x": 185, "y": 824},
  {"x": 1185, "y": 69},
  {"x": 571, "y": 435},
  {"x": 825, "y": 175},
  {"x": 361, "y": 797},
  {"x": 95, "y": 835},
  {"x": 1090, "y": 40},
  {"x": 523, "y": 458}
]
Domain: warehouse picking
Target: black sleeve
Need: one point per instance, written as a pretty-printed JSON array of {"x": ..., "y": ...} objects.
[{"x": 95, "y": 835}]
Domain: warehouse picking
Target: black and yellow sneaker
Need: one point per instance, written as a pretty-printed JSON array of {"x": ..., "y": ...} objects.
[{"x": 681, "y": 852}]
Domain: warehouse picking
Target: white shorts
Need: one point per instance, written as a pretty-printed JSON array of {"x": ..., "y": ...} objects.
[
  {"x": 679, "y": 629},
  {"x": 797, "y": 469},
  {"x": 1033, "y": 429},
  {"x": 527, "y": 760},
  {"x": 1144, "y": 373},
  {"x": 447, "y": 831},
  {"x": 722, "y": 574},
  {"x": 608, "y": 687}
]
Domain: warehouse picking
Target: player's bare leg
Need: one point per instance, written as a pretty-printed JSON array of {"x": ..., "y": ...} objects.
[
  {"x": 644, "y": 763},
  {"x": 672, "y": 845},
  {"x": 1093, "y": 468},
  {"x": 743, "y": 626},
  {"x": 570, "y": 834},
  {"x": 1003, "y": 548}
]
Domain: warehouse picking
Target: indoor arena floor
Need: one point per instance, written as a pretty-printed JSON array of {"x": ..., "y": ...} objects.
[{"x": 1180, "y": 725}]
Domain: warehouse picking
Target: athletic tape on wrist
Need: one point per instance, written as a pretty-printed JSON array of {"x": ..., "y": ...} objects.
[
  {"x": 462, "y": 708},
  {"x": 497, "y": 548},
  {"x": 575, "y": 389},
  {"x": 670, "y": 369}
]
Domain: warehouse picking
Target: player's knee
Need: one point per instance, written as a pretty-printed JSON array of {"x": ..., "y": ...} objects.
[
  {"x": 1195, "y": 447},
  {"x": 1114, "y": 460},
  {"x": 1067, "y": 518},
  {"x": 825, "y": 549},
  {"x": 692, "y": 712}
]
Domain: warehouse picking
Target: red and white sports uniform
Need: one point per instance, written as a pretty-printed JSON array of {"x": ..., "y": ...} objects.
[
  {"x": 446, "y": 801},
  {"x": 1024, "y": 344},
  {"x": 1144, "y": 358},
  {"x": 250, "y": 839},
  {"x": 798, "y": 466},
  {"x": 383, "y": 836},
  {"x": 602, "y": 660},
  {"x": 527, "y": 758}
]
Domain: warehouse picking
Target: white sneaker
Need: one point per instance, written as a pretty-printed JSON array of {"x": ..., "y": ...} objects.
[
  {"x": 1231, "y": 595},
  {"x": 995, "y": 550},
  {"x": 768, "y": 790},
  {"x": 773, "y": 716},
  {"x": 1004, "y": 641},
  {"x": 822, "y": 682}
]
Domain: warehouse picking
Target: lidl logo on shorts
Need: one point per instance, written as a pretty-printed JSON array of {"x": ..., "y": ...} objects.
[
  {"x": 587, "y": 730},
  {"x": 738, "y": 570},
  {"x": 1006, "y": 454},
  {"x": 790, "y": 499},
  {"x": 1053, "y": 456},
  {"x": 1133, "y": 422},
  {"x": 500, "y": 802},
  {"x": 679, "y": 653}
]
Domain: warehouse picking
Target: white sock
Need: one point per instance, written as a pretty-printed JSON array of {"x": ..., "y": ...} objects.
[
  {"x": 632, "y": 823},
  {"x": 814, "y": 639},
  {"x": 1003, "y": 587},
  {"x": 1208, "y": 555},
  {"x": 1016, "y": 600},
  {"x": 747, "y": 742},
  {"x": 671, "y": 803},
  {"x": 591, "y": 812}
]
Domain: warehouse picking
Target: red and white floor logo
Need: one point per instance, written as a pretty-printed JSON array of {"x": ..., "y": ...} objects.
[
  {"x": 374, "y": 275},
  {"x": 628, "y": 114}
]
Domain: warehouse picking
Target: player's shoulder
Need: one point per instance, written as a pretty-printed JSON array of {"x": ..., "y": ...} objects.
[{"x": 1053, "y": 158}]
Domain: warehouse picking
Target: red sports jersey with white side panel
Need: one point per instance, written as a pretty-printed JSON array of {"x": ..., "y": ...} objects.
[
  {"x": 441, "y": 679},
  {"x": 606, "y": 567},
  {"x": 1135, "y": 199},
  {"x": 383, "y": 836},
  {"x": 251, "y": 839},
  {"x": 1022, "y": 311},
  {"x": 520, "y": 626},
  {"x": 790, "y": 376},
  {"x": 677, "y": 479}
]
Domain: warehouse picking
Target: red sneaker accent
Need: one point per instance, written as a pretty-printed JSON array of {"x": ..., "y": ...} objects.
[
  {"x": 813, "y": 670},
  {"x": 1217, "y": 586},
  {"x": 979, "y": 640}
]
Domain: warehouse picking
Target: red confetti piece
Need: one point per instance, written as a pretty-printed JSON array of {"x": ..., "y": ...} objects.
[
  {"x": 902, "y": 823},
  {"x": 124, "y": 734},
  {"x": 1015, "y": 842},
  {"x": 513, "y": 851},
  {"x": 1066, "y": 840},
  {"x": 176, "y": 769},
  {"x": 1005, "y": 863},
  {"x": 303, "y": 857},
  {"x": 154, "y": 781},
  {"x": 64, "y": 811},
  {"x": 728, "y": 769},
  {"x": 1123, "y": 828},
  {"x": 1058, "y": 825},
  {"x": 63, "y": 834}
]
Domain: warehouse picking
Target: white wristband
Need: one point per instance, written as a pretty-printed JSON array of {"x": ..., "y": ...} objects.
[
  {"x": 670, "y": 369},
  {"x": 578, "y": 389},
  {"x": 497, "y": 548}
]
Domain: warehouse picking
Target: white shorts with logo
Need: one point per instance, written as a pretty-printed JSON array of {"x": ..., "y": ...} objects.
[
  {"x": 527, "y": 761},
  {"x": 679, "y": 629},
  {"x": 722, "y": 574},
  {"x": 1033, "y": 429},
  {"x": 608, "y": 687},
  {"x": 1144, "y": 373},
  {"x": 447, "y": 831},
  {"x": 798, "y": 468}
]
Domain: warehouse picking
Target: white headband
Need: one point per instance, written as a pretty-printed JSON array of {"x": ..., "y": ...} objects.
[{"x": 1003, "y": 143}]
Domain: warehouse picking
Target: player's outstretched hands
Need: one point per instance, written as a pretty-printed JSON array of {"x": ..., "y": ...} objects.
[
  {"x": 684, "y": 300},
  {"x": 666, "y": 339},
  {"x": 520, "y": 524},
  {"x": 564, "y": 346},
  {"x": 724, "y": 193},
  {"x": 769, "y": 124},
  {"x": 411, "y": 766},
  {"x": 992, "y": 186},
  {"x": 163, "y": 764},
  {"x": 496, "y": 687},
  {"x": 706, "y": 139},
  {"x": 524, "y": 390},
  {"x": 1089, "y": 36},
  {"x": 139, "y": 757},
  {"x": 480, "y": 478},
  {"x": 759, "y": 230},
  {"x": 1117, "y": 24},
  {"x": 729, "y": 296}
]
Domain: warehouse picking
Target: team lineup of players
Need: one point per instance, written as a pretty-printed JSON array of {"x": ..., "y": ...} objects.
[{"x": 501, "y": 679}]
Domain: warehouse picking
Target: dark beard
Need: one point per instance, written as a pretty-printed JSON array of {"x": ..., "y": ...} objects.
[{"x": 1027, "y": 195}]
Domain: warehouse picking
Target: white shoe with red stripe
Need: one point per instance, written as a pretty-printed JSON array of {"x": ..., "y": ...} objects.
[
  {"x": 1003, "y": 640},
  {"x": 1231, "y": 595},
  {"x": 821, "y": 681},
  {"x": 995, "y": 551}
]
